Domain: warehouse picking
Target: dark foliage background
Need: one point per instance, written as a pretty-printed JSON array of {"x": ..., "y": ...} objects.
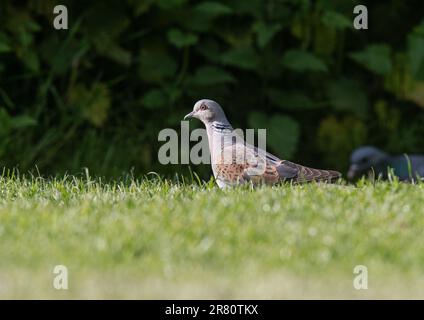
[{"x": 97, "y": 95}]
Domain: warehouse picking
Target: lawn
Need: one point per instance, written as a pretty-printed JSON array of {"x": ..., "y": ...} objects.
[{"x": 154, "y": 238}]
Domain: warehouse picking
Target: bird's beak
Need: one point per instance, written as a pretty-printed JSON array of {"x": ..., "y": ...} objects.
[
  {"x": 353, "y": 171},
  {"x": 189, "y": 116}
]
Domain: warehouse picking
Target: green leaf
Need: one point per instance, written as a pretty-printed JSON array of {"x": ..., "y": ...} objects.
[
  {"x": 22, "y": 122},
  {"x": 336, "y": 20},
  {"x": 265, "y": 32},
  {"x": 30, "y": 60},
  {"x": 210, "y": 50},
  {"x": 17, "y": 122},
  {"x": 419, "y": 29},
  {"x": 105, "y": 21},
  {"x": 180, "y": 39},
  {"x": 243, "y": 58},
  {"x": 416, "y": 56},
  {"x": 59, "y": 55},
  {"x": 170, "y": 4},
  {"x": 282, "y": 133},
  {"x": 212, "y": 9},
  {"x": 4, "y": 43},
  {"x": 104, "y": 27},
  {"x": 347, "y": 95},
  {"x": 4, "y": 47},
  {"x": 337, "y": 137},
  {"x": 117, "y": 54},
  {"x": 100, "y": 101},
  {"x": 250, "y": 7},
  {"x": 5, "y": 123},
  {"x": 326, "y": 40},
  {"x": 301, "y": 61},
  {"x": 154, "y": 99},
  {"x": 290, "y": 100},
  {"x": 140, "y": 7},
  {"x": 375, "y": 58},
  {"x": 210, "y": 75},
  {"x": 94, "y": 102},
  {"x": 156, "y": 66},
  {"x": 416, "y": 93}
]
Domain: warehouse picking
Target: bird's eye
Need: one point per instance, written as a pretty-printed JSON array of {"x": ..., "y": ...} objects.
[{"x": 203, "y": 107}]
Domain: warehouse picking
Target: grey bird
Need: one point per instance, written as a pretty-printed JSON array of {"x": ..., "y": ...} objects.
[
  {"x": 236, "y": 162},
  {"x": 367, "y": 159}
]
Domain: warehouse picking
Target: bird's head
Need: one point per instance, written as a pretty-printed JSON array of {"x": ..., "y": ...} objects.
[
  {"x": 207, "y": 111},
  {"x": 363, "y": 159}
]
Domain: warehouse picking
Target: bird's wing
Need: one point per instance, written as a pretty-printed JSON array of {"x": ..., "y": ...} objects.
[
  {"x": 289, "y": 171},
  {"x": 306, "y": 174},
  {"x": 239, "y": 163}
]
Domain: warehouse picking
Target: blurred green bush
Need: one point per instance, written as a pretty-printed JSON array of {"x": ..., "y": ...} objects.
[{"x": 97, "y": 95}]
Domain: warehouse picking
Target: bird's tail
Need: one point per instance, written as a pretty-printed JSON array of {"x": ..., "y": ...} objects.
[
  {"x": 306, "y": 174},
  {"x": 310, "y": 174}
]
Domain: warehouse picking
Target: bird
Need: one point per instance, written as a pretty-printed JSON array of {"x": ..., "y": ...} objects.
[
  {"x": 366, "y": 159},
  {"x": 236, "y": 162}
]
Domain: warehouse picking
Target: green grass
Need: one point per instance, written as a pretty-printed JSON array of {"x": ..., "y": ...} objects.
[{"x": 152, "y": 238}]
